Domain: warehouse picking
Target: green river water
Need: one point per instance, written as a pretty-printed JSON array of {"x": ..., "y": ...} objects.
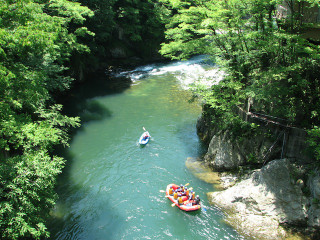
[{"x": 110, "y": 187}]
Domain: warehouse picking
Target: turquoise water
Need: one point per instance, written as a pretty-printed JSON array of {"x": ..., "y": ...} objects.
[{"x": 111, "y": 186}]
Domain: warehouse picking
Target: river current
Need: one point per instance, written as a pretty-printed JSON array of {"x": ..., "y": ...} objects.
[{"x": 111, "y": 186}]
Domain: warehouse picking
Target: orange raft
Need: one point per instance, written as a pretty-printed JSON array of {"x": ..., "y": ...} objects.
[{"x": 186, "y": 205}]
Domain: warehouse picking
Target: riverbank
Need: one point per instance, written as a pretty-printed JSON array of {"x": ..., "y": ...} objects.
[{"x": 279, "y": 200}]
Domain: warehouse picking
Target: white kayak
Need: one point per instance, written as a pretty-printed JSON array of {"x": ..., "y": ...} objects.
[{"x": 144, "y": 139}]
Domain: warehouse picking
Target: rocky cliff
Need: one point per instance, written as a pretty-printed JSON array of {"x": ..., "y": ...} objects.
[{"x": 282, "y": 194}]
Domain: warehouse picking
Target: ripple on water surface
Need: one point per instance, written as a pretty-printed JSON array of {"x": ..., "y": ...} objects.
[{"x": 111, "y": 186}]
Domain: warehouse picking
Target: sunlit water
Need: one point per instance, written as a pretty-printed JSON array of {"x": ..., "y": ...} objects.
[{"x": 111, "y": 186}]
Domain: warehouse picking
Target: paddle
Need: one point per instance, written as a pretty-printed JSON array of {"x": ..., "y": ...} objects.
[{"x": 146, "y": 131}]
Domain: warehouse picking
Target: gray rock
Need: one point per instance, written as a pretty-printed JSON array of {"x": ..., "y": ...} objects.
[
  {"x": 222, "y": 155},
  {"x": 225, "y": 154},
  {"x": 314, "y": 185},
  {"x": 314, "y": 210},
  {"x": 260, "y": 204}
]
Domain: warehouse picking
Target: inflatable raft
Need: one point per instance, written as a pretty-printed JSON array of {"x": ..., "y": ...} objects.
[{"x": 187, "y": 205}]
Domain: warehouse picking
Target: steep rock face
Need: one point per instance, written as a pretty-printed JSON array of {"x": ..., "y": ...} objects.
[
  {"x": 222, "y": 154},
  {"x": 205, "y": 128},
  {"x": 259, "y": 204},
  {"x": 273, "y": 195},
  {"x": 225, "y": 154},
  {"x": 314, "y": 210}
]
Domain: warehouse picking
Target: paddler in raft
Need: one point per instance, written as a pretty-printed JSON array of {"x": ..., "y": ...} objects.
[
  {"x": 192, "y": 199},
  {"x": 171, "y": 191},
  {"x": 182, "y": 193},
  {"x": 178, "y": 188},
  {"x": 184, "y": 196},
  {"x": 190, "y": 202},
  {"x": 196, "y": 200},
  {"x": 192, "y": 195},
  {"x": 177, "y": 197},
  {"x": 181, "y": 188}
]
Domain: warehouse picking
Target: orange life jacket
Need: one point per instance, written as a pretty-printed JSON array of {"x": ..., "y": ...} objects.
[{"x": 175, "y": 195}]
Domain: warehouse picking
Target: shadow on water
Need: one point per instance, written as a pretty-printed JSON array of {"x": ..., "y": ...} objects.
[
  {"x": 80, "y": 102},
  {"x": 188, "y": 140},
  {"x": 93, "y": 111},
  {"x": 74, "y": 206}
]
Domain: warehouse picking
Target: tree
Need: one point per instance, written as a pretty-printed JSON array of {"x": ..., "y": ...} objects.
[
  {"x": 135, "y": 27},
  {"x": 266, "y": 60},
  {"x": 35, "y": 45}
]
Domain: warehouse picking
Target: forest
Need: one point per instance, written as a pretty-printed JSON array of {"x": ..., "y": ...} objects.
[{"x": 47, "y": 46}]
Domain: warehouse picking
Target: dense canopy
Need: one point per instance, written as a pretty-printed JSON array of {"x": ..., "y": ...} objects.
[
  {"x": 271, "y": 66},
  {"x": 35, "y": 45},
  {"x": 46, "y": 44}
]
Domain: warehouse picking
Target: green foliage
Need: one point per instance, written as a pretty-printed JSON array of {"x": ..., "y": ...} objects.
[
  {"x": 314, "y": 141},
  {"x": 38, "y": 38},
  {"x": 264, "y": 57},
  {"x": 315, "y": 201},
  {"x": 134, "y": 26},
  {"x": 252, "y": 158},
  {"x": 27, "y": 192},
  {"x": 71, "y": 11},
  {"x": 36, "y": 43}
]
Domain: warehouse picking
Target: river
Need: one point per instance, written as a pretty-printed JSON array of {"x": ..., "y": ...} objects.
[{"x": 111, "y": 186}]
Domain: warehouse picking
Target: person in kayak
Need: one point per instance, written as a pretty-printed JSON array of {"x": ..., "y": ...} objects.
[{"x": 146, "y": 135}]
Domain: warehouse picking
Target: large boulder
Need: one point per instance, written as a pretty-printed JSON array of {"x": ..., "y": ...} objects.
[
  {"x": 222, "y": 155},
  {"x": 259, "y": 205}
]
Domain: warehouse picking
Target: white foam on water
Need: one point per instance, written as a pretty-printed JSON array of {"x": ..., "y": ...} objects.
[
  {"x": 196, "y": 71},
  {"x": 196, "y": 75}
]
